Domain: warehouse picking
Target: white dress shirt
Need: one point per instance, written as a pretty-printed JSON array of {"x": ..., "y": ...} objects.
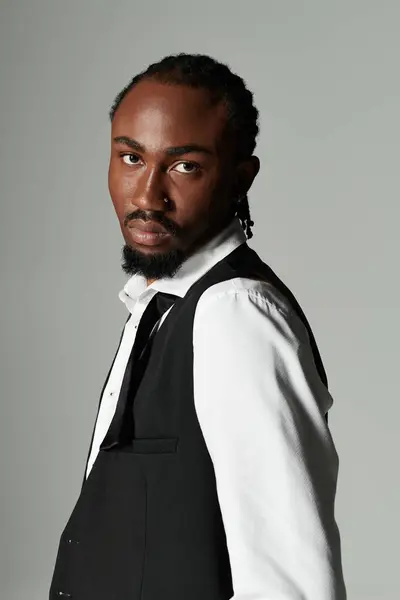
[{"x": 261, "y": 405}]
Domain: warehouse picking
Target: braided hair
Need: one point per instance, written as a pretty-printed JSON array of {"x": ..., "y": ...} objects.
[{"x": 201, "y": 71}]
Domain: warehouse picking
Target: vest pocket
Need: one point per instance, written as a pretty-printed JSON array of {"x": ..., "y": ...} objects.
[{"x": 165, "y": 445}]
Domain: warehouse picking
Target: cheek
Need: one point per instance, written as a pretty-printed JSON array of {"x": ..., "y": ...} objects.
[
  {"x": 120, "y": 188},
  {"x": 193, "y": 196},
  {"x": 113, "y": 181}
]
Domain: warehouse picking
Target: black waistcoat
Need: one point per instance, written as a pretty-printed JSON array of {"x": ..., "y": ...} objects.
[{"x": 147, "y": 524}]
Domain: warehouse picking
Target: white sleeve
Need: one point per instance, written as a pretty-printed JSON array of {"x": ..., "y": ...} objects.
[{"x": 261, "y": 405}]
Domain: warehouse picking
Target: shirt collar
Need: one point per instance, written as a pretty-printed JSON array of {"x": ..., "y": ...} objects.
[{"x": 190, "y": 271}]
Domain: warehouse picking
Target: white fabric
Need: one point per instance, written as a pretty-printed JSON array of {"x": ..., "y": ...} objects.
[{"x": 260, "y": 405}]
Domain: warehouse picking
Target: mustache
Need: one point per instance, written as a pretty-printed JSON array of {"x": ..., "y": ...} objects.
[{"x": 154, "y": 217}]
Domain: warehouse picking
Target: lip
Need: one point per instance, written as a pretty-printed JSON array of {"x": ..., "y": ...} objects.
[
  {"x": 148, "y": 238},
  {"x": 149, "y": 227}
]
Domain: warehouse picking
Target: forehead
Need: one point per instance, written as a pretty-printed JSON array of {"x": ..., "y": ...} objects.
[{"x": 159, "y": 115}]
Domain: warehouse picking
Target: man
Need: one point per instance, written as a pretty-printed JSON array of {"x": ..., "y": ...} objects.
[{"x": 212, "y": 472}]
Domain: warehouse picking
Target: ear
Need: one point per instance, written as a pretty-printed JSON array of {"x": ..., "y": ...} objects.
[{"x": 246, "y": 171}]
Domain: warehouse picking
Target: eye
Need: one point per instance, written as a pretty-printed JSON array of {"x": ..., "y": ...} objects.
[
  {"x": 130, "y": 159},
  {"x": 187, "y": 167}
]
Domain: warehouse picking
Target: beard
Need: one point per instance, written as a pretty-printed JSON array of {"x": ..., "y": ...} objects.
[
  {"x": 158, "y": 264},
  {"x": 166, "y": 264},
  {"x": 152, "y": 266}
]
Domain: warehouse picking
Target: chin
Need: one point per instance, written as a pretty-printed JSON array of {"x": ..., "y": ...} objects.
[{"x": 152, "y": 262}]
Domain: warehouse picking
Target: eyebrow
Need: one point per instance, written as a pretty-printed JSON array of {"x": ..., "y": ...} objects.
[{"x": 172, "y": 151}]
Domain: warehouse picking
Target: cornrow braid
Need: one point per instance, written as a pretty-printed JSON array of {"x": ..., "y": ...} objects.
[
  {"x": 201, "y": 71},
  {"x": 243, "y": 213}
]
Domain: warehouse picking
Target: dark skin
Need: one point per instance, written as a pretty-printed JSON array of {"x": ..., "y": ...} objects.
[{"x": 171, "y": 142}]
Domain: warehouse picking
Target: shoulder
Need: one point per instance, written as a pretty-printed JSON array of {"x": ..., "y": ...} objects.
[
  {"x": 247, "y": 326},
  {"x": 247, "y": 304},
  {"x": 241, "y": 288}
]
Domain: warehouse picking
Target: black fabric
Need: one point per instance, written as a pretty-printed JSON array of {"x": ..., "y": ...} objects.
[
  {"x": 147, "y": 524},
  {"x": 121, "y": 429}
]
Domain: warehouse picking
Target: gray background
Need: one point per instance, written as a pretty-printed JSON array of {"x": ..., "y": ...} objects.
[{"x": 326, "y": 208}]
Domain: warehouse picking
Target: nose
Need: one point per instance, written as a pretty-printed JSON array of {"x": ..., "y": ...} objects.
[{"x": 149, "y": 191}]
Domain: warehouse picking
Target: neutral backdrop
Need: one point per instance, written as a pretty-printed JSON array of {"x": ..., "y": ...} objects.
[{"x": 326, "y": 210}]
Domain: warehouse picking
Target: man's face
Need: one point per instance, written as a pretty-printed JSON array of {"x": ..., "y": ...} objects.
[{"x": 171, "y": 167}]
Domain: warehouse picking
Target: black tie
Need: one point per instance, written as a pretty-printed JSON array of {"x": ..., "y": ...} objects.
[{"x": 121, "y": 429}]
